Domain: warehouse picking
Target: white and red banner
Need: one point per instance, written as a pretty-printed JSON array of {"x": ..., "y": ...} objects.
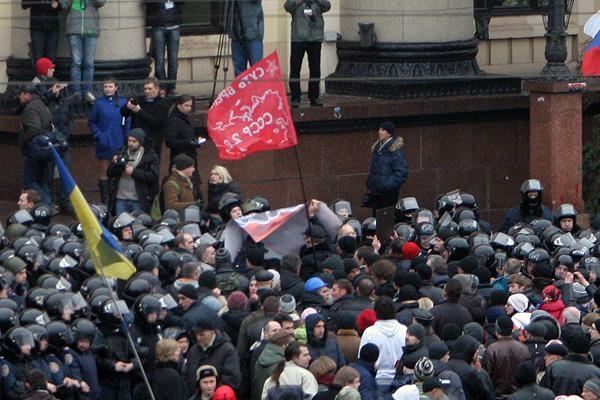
[
  {"x": 281, "y": 231},
  {"x": 252, "y": 114}
]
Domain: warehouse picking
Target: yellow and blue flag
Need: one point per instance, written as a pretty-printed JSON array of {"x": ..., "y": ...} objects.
[{"x": 105, "y": 251}]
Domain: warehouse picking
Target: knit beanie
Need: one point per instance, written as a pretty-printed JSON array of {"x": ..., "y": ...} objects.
[
  {"x": 410, "y": 250},
  {"x": 525, "y": 373},
  {"x": 365, "y": 319},
  {"x": 237, "y": 301},
  {"x": 208, "y": 279},
  {"x": 475, "y": 330},
  {"x": 189, "y": 291},
  {"x": 369, "y": 353},
  {"x": 519, "y": 302},
  {"x": 222, "y": 257},
  {"x": 416, "y": 330},
  {"x": 347, "y": 244},
  {"x": 42, "y": 65},
  {"x": 388, "y": 126},
  {"x": 138, "y": 134},
  {"x": 593, "y": 385},
  {"x": 182, "y": 161}
]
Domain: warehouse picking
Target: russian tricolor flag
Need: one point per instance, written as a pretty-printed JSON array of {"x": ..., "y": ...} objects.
[{"x": 590, "y": 65}]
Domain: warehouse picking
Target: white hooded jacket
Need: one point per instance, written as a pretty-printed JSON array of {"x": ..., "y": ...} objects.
[{"x": 389, "y": 336}]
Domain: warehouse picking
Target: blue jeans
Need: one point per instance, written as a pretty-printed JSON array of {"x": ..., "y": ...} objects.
[
  {"x": 244, "y": 52},
  {"x": 129, "y": 206},
  {"x": 39, "y": 175},
  {"x": 169, "y": 38},
  {"x": 83, "y": 52}
]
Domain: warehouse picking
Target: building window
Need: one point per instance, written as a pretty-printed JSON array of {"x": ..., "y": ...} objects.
[{"x": 510, "y": 7}]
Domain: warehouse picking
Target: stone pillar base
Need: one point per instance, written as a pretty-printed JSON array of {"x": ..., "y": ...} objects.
[{"x": 408, "y": 70}]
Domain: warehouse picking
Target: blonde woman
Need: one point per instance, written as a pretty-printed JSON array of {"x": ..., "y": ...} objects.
[
  {"x": 166, "y": 382},
  {"x": 219, "y": 183}
]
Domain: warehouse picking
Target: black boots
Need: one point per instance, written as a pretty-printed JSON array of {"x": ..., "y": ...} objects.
[{"x": 103, "y": 185}]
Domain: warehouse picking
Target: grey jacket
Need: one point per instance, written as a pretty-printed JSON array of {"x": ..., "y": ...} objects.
[
  {"x": 36, "y": 118},
  {"x": 86, "y": 23},
  {"x": 307, "y": 26},
  {"x": 244, "y": 20}
]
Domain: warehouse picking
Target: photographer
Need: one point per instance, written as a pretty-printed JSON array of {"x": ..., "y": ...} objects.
[
  {"x": 149, "y": 112},
  {"x": 307, "y": 36},
  {"x": 133, "y": 175}
]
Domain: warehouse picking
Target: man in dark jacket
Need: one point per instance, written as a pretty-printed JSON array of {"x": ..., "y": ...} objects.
[
  {"x": 43, "y": 27},
  {"x": 525, "y": 378},
  {"x": 344, "y": 300},
  {"x": 388, "y": 170},
  {"x": 462, "y": 356},
  {"x": 567, "y": 376},
  {"x": 530, "y": 207},
  {"x": 245, "y": 25},
  {"x": 450, "y": 311},
  {"x": 193, "y": 307},
  {"x": 165, "y": 19},
  {"x": 320, "y": 342},
  {"x": 35, "y": 120},
  {"x": 149, "y": 112},
  {"x": 365, "y": 365},
  {"x": 133, "y": 175},
  {"x": 212, "y": 348},
  {"x": 290, "y": 281}
]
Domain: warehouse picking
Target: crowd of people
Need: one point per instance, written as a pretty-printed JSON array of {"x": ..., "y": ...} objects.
[{"x": 447, "y": 307}]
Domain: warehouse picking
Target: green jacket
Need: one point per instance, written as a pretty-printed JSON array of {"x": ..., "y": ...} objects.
[
  {"x": 265, "y": 365},
  {"x": 83, "y": 18},
  {"x": 307, "y": 27}
]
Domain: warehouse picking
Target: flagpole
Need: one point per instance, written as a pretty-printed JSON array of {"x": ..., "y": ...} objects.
[{"x": 314, "y": 251}]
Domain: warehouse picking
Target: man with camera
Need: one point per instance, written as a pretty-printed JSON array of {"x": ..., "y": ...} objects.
[
  {"x": 36, "y": 120},
  {"x": 308, "y": 29},
  {"x": 133, "y": 174},
  {"x": 149, "y": 112}
]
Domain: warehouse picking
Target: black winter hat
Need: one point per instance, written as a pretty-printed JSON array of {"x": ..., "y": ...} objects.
[
  {"x": 138, "y": 134},
  {"x": 407, "y": 292},
  {"x": 469, "y": 264},
  {"x": 347, "y": 244},
  {"x": 557, "y": 348},
  {"x": 206, "y": 324},
  {"x": 183, "y": 161},
  {"x": 416, "y": 330},
  {"x": 525, "y": 373},
  {"x": 437, "y": 350},
  {"x": 222, "y": 257},
  {"x": 504, "y": 325},
  {"x": 536, "y": 329},
  {"x": 388, "y": 126},
  {"x": 346, "y": 320},
  {"x": 189, "y": 291},
  {"x": 579, "y": 343},
  {"x": 369, "y": 353},
  {"x": 208, "y": 279},
  {"x": 350, "y": 265}
]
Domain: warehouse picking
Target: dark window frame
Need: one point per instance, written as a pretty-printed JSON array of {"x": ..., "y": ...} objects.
[{"x": 490, "y": 8}]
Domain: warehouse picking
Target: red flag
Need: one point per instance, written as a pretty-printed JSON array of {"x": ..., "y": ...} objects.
[{"x": 252, "y": 114}]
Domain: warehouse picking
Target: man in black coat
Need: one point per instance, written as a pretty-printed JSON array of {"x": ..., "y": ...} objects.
[
  {"x": 212, "y": 348},
  {"x": 149, "y": 112},
  {"x": 388, "y": 170},
  {"x": 462, "y": 357},
  {"x": 290, "y": 280},
  {"x": 450, "y": 311},
  {"x": 43, "y": 27},
  {"x": 194, "y": 310},
  {"x": 133, "y": 175}
]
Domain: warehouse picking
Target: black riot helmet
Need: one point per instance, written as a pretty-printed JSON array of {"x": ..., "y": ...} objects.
[
  {"x": 565, "y": 211},
  {"x": 538, "y": 256},
  {"x": 191, "y": 213},
  {"x": 485, "y": 254},
  {"x": 404, "y": 209},
  {"x": 36, "y": 297},
  {"x": 33, "y": 316},
  {"x": 16, "y": 338},
  {"x": 59, "y": 305},
  {"x": 8, "y": 319},
  {"x": 532, "y": 186},
  {"x": 135, "y": 288},
  {"x": 144, "y": 306},
  {"x": 42, "y": 214},
  {"x": 83, "y": 329},
  {"x": 457, "y": 247},
  {"x": 59, "y": 335}
]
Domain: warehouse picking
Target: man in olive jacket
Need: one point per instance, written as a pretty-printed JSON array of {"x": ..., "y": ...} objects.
[{"x": 307, "y": 36}]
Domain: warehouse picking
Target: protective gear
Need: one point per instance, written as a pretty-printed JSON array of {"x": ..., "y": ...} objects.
[
  {"x": 485, "y": 254},
  {"x": 36, "y": 297},
  {"x": 538, "y": 256},
  {"x": 123, "y": 220},
  {"x": 97, "y": 303},
  {"x": 20, "y": 217},
  {"x": 59, "y": 305},
  {"x": 146, "y": 261},
  {"x": 424, "y": 229},
  {"x": 144, "y": 306},
  {"x": 422, "y": 215},
  {"x": 457, "y": 247},
  {"x": 174, "y": 333},
  {"x": 501, "y": 241},
  {"x": 369, "y": 227},
  {"x": 565, "y": 211},
  {"x": 355, "y": 224},
  {"x": 8, "y": 319},
  {"x": 9, "y": 303},
  {"x": 521, "y": 250},
  {"x": 132, "y": 250},
  {"x": 467, "y": 227},
  {"x": 72, "y": 248},
  {"x": 33, "y": 316},
  {"x": 29, "y": 253},
  {"x": 191, "y": 213},
  {"x": 404, "y": 209},
  {"x": 142, "y": 217},
  {"x": 82, "y": 329},
  {"x": 101, "y": 213},
  {"x": 135, "y": 288},
  {"x": 227, "y": 203},
  {"x": 39, "y": 333},
  {"x": 110, "y": 314},
  {"x": 405, "y": 231},
  {"x": 15, "y": 338},
  {"x": 59, "y": 335},
  {"x": 42, "y": 214},
  {"x": 59, "y": 230},
  {"x": 172, "y": 215},
  {"x": 259, "y": 204},
  {"x": 468, "y": 200}
]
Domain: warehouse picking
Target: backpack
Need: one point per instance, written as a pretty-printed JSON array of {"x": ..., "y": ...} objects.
[
  {"x": 158, "y": 205},
  {"x": 228, "y": 283}
]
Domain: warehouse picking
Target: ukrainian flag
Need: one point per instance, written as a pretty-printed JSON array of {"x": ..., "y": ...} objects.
[{"x": 106, "y": 252}]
